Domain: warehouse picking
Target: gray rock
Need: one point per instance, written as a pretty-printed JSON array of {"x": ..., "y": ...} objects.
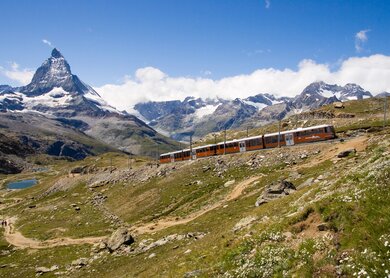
[
  {"x": 119, "y": 237},
  {"x": 303, "y": 156},
  {"x": 80, "y": 262},
  {"x": 78, "y": 170},
  {"x": 275, "y": 191},
  {"x": 229, "y": 183},
  {"x": 346, "y": 153},
  {"x": 43, "y": 269},
  {"x": 308, "y": 182},
  {"x": 206, "y": 168}
]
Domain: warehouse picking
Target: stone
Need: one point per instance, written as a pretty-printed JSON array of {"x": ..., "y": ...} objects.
[
  {"x": 97, "y": 184},
  {"x": 188, "y": 251},
  {"x": 346, "y": 153},
  {"x": 275, "y": 191},
  {"x": 229, "y": 183},
  {"x": 43, "y": 269},
  {"x": 119, "y": 237},
  {"x": 338, "y": 104},
  {"x": 206, "y": 168},
  {"x": 80, "y": 262},
  {"x": 323, "y": 227},
  {"x": 303, "y": 156},
  {"x": 308, "y": 182},
  {"x": 77, "y": 208},
  {"x": 77, "y": 170}
]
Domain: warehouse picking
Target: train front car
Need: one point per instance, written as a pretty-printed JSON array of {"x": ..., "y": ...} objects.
[{"x": 314, "y": 133}]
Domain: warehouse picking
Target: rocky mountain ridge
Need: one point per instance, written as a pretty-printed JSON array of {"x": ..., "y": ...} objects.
[{"x": 197, "y": 117}]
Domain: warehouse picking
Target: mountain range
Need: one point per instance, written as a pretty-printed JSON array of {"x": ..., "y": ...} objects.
[
  {"x": 55, "y": 94},
  {"x": 197, "y": 117},
  {"x": 59, "y": 95}
]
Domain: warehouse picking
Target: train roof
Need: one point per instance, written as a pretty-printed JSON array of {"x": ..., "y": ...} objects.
[{"x": 296, "y": 130}]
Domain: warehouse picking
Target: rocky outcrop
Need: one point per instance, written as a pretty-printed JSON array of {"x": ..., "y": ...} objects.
[
  {"x": 120, "y": 237},
  {"x": 275, "y": 191}
]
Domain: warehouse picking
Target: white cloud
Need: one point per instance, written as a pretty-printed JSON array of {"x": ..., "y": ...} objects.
[
  {"x": 47, "y": 42},
  {"x": 22, "y": 76},
  {"x": 360, "y": 38},
  {"x": 267, "y": 4},
  {"x": 151, "y": 84}
]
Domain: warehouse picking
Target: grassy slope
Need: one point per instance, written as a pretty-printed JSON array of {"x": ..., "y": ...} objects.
[{"x": 352, "y": 199}]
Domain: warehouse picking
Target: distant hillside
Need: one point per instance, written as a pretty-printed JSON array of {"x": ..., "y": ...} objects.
[{"x": 26, "y": 134}]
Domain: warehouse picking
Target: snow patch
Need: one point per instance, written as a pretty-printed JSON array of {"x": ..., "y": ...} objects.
[
  {"x": 204, "y": 111},
  {"x": 259, "y": 106},
  {"x": 327, "y": 93},
  {"x": 55, "y": 98}
]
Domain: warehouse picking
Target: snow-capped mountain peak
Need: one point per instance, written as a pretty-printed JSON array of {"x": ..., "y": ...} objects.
[{"x": 55, "y": 90}]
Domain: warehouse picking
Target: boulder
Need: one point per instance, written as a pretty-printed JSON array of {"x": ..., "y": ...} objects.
[
  {"x": 229, "y": 183},
  {"x": 346, "y": 153},
  {"x": 120, "y": 237},
  {"x": 338, "y": 104},
  {"x": 43, "y": 269},
  {"x": 80, "y": 262},
  {"x": 281, "y": 187},
  {"x": 275, "y": 191},
  {"x": 78, "y": 170}
]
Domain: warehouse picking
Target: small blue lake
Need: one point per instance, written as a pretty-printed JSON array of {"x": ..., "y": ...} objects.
[{"x": 21, "y": 184}]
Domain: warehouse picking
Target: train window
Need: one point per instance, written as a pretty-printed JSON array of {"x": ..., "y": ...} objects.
[
  {"x": 272, "y": 139},
  {"x": 253, "y": 142}
]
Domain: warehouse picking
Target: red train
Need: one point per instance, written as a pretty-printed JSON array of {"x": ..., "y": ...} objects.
[{"x": 287, "y": 138}]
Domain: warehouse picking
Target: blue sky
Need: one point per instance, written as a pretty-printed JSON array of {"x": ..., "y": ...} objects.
[{"x": 104, "y": 41}]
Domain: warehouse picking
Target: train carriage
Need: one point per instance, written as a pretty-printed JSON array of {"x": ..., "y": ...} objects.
[{"x": 314, "y": 133}]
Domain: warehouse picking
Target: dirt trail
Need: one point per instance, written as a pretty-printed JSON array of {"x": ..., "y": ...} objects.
[
  {"x": 17, "y": 239},
  {"x": 358, "y": 143},
  {"x": 169, "y": 222}
]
